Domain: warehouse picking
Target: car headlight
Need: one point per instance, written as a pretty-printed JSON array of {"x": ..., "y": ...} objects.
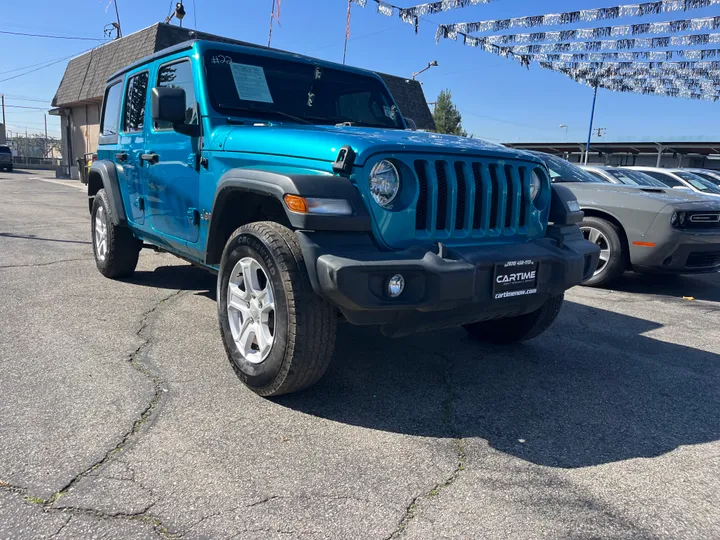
[
  {"x": 384, "y": 182},
  {"x": 535, "y": 185},
  {"x": 678, "y": 219}
]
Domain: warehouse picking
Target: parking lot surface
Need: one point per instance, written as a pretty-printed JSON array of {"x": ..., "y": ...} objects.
[{"x": 120, "y": 416}]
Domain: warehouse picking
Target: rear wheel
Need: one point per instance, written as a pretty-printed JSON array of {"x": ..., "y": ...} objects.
[
  {"x": 116, "y": 249},
  {"x": 278, "y": 334},
  {"x": 516, "y": 329},
  {"x": 613, "y": 255}
]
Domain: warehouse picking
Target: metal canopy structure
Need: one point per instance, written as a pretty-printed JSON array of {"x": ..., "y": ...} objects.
[{"x": 680, "y": 61}]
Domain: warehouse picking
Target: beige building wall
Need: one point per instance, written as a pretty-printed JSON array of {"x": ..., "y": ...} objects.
[{"x": 84, "y": 123}]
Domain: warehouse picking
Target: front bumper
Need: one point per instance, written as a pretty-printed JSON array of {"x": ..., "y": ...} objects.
[
  {"x": 677, "y": 251},
  {"x": 440, "y": 291}
]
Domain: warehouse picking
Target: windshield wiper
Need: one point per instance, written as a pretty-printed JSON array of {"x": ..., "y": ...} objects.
[{"x": 294, "y": 118}]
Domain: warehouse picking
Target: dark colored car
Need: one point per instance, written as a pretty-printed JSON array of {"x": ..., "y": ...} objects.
[
  {"x": 6, "y": 160},
  {"x": 642, "y": 228},
  {"x": 299, "y": 183}
]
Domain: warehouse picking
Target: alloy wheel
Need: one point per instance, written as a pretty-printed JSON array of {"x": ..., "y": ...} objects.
[
  {"x": 251, "y": 310},
  {"x": 597, "y": 237},
  {"x": 100, "y": 234}
]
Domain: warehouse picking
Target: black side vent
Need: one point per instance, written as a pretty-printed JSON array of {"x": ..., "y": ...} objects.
[
  {"x": 421, "y": 210},
  {"x": 510, "y": 196},
  {"x": 494, "y": 197},
  {"x": 477, "y": 203},
  {"x": 524, "y": 180},
  {"x": 461, "y": 196},
  {"x": 442, "y": 198}
]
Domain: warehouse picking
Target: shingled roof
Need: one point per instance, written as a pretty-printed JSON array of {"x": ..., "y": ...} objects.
[{"x": 85, "y": 76}]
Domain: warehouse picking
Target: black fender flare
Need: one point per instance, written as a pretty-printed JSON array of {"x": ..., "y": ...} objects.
[
  {"x": 561, "y": 212},
  {"x": 278, "y": 185},
  {"x": 108, "y": 174}
]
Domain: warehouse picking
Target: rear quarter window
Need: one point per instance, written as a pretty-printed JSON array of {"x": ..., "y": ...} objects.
[{"x": 111, "y": 110}]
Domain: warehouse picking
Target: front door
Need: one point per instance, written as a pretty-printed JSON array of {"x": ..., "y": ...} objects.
[
  {"x": 173, "y": 178},
  {"x": 128, "y": 157}
]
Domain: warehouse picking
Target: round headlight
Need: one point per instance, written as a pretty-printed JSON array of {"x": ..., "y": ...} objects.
[
  {"x": 535, "y": 184},
  {"x": 384, "y": 182}
]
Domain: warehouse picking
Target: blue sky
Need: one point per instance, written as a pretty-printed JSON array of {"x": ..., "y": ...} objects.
[{"x": 499, "y": 100}]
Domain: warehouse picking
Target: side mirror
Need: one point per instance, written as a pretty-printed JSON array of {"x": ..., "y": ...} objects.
[
  {"x": 168, "y": 105},
  {"x": 411, "y": 125}
]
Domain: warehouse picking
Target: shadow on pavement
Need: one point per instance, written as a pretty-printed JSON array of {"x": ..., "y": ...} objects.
[
  {"x": 594, "y": 389},
  {"x": 573, "y": 398},
  {"x": 701, "y": 286},
  {"x": 33, "y": 237},
  {"x": 188, "y": 277}
]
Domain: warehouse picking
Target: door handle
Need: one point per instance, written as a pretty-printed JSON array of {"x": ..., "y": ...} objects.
[
  {"x": 150, "y": 158},
  {"x": 121, "y": 156}
]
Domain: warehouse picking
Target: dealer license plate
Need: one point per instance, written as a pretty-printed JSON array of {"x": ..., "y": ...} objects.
[{"x": 515, "y": 278}]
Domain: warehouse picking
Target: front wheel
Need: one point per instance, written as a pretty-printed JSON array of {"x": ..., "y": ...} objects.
[
  {"x": 516, "y": 329},
  {"x": 613, "y": 255},
  {"x": 278, "y": 334}
]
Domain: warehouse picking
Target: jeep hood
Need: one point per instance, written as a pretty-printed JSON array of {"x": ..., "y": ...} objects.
[{"x": 324, "y": 142}]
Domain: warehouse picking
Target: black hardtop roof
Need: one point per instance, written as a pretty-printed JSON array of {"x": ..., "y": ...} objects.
[{"x": 264, "y": 51}]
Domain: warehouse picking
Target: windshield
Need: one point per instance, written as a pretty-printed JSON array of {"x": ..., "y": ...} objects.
[
  {"x": 4, "y": 150},
  {"x": 564, "y": 171},
  {"x": 635, "y": 178},
  {"x": 710, "y": 177},
  {"x": 293, "y": 91},
  {"x": 698, "y": 182}
]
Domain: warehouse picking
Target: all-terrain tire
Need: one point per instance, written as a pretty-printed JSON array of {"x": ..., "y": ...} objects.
[
  {"x": 10, "y": 168},
  {"x": 616, "y": 264},
  {"x": 304, "y": 324},
  {"x": 119, "y": 256},
  {"x": 517, "y": 329}
]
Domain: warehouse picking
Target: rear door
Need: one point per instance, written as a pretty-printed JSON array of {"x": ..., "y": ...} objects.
[
  {"x": 173, "y": 178},
  {"x": 132, "y": 143}
]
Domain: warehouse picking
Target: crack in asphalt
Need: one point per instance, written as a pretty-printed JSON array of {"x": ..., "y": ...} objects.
[
  {"x": 450, "y": 416},
  {"x": 32, "y": 265},
  {"x": 62, "y": 527},
  {"x": 160, "y": 388}
]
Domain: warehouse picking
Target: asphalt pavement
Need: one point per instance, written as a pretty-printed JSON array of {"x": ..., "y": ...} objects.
[{"x": 120, "y": 416}]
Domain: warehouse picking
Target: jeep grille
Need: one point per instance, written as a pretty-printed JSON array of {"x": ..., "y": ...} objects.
[{"x": 468, "y": 197}]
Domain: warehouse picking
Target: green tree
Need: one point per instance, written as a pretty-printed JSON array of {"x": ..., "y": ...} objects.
[{"x": 447, "y": 118}]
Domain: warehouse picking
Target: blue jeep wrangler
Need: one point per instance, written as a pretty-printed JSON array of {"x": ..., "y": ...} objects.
[{"x": 300, "y": 184}]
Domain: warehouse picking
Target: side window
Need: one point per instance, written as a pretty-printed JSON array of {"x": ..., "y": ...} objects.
[
  {"x": 179, "y": 75},
  {"x": 135, "y": 102},
  {"x": 111, "y": 110},
  {"x": 597, "y": 175},
  {"x": 664, "y": 178}
]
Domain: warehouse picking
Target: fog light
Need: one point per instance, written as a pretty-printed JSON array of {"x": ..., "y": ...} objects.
[{"x": 395, "y": 286}]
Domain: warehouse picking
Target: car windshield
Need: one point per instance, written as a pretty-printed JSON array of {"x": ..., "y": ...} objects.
[
  {"x": 698, "y": 182},
  {"x": 564, "y": 171},
  {"x": 242, "y": 84},
  {"x": 4, "y": 150},
  {"x": 635, "y": 178},
  {"x": 710, "y": 177}
]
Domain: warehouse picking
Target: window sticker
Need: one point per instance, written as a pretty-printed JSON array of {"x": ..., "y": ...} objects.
[{"x": 250, "y": 83}]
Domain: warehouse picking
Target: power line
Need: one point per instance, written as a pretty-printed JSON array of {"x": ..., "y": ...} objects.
[
  {"x": 50, "y": 36},
  {"x": 42, "y": 66},
  {"x": 19, "y": 97},
  {"x": 26, "y": 107}
]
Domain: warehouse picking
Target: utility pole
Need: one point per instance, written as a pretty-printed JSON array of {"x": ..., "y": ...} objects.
[
  {"x": 117, "y": 16},
  {"x": 45, "y": 148},
  {"x": 592, "y": 118},
  {"x": 2, "y": 96}
]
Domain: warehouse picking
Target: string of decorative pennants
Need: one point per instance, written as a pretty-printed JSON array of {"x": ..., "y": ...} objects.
[{"x": 586, "y": 55}]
